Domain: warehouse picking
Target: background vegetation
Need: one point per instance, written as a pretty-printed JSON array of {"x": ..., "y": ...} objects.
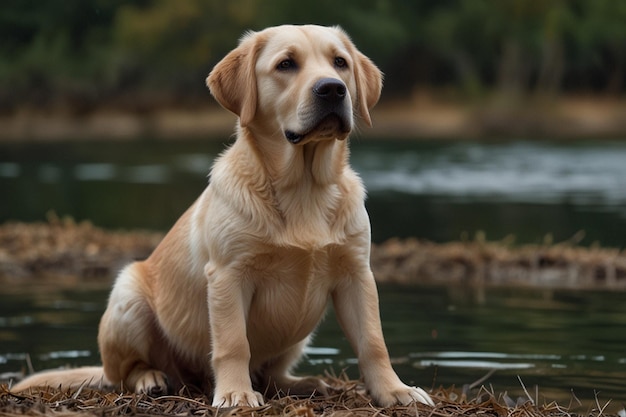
[{"x": 78, "y": 54}]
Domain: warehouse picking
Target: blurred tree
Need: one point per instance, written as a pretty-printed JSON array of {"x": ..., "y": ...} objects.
[
  {"x": 466, "y": 36},
  {"x": 50, "y": 50},
  {"x": 599, "y": 40},
  {"x": 556, "y": 23},
  {"x": 175, "y": 43},
  {"x": 81, "y": 53}
]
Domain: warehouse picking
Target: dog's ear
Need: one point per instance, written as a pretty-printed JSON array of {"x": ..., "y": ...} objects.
[
  {"x": 369, "y": 79},
  {"x": 369, "y": 83},
  {"x": 233, "y": 81}
]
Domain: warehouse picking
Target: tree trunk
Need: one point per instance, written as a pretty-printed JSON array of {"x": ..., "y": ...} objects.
[
  {"x": 512, "y": 70},
  {"x": 552, "y": 66}
]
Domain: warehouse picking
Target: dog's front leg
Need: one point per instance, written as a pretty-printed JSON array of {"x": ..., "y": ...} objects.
[
  {"x": 356, "y": 305},
  {"x": 229, "y": 302}
]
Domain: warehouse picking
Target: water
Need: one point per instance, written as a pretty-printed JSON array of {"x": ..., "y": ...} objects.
[
  {"x": 432, "y": 190},
  {"x": 520, "y": 172},
  {"x": 562, "y": 342},
  {"x": 443, "y": 190}
]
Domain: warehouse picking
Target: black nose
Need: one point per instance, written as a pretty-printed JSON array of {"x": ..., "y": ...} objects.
[{"x": 330, "y": 89}]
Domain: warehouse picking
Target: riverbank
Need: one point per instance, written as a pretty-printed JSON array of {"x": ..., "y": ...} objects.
[
  {"x": 423, "y": 116},
  {"x": 346, "y": 398},
  {"x": 69, "y": 253}
]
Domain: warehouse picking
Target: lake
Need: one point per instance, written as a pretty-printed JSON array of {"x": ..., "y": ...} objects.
[
  {"x": 563, "y": 342},
  {"x": 433, "y": 190}
]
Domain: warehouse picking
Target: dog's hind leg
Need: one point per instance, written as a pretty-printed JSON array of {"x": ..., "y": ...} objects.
[{"x": 128, "y": 334}]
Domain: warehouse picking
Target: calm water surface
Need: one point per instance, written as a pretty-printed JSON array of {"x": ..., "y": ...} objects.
[
  {"x": 432, "y": 190},
  {"x": 561, "y": 342}
]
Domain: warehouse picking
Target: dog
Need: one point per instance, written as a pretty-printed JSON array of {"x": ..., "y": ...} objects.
[{"x": 229, "y": 299}]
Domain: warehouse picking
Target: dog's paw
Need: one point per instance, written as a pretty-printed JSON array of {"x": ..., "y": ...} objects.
[
  {"x": 402, "y": 395},
  {"x": 238, "y": 399},
  {"x": 152, "y": 383}
]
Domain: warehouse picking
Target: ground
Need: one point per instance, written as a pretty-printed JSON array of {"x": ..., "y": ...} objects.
[
  {"x": 422, "y": 115},
  {"x": 346, "y": 399}
]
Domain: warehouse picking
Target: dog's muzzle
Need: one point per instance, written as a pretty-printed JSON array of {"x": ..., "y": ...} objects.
[{"x": 331, "y": 114}]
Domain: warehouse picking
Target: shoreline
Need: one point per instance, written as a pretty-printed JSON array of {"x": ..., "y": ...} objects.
[
  {"x": 423, "y": 116},
  {"x": 69, "y": 253}
]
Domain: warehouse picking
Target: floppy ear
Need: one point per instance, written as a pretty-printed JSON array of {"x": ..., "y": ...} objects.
[
  {"x": 369, "y": 83},
  {"x": 233, "y": 81},
  {"x": 369, "y": 79}
]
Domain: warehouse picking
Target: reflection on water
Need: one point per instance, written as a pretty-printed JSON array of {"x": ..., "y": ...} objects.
[
  {"x": 53, "y": 326},
  {"x": 563, "y": 342},
  {"x": 517, "y": 172},
  {"x": 432, "y": 190}
]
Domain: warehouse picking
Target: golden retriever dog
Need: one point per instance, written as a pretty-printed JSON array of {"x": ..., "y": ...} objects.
[{"x": 228, "y": 300}]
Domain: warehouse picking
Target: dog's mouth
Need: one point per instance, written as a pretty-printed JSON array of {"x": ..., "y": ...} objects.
[{"x": 331, "y": 126}]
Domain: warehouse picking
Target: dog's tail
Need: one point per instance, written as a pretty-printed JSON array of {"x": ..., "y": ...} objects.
[{"x": 90, "y": 376}]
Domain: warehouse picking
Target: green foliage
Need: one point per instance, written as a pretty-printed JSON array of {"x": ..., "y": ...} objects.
[{"x": 90, "y": 51}]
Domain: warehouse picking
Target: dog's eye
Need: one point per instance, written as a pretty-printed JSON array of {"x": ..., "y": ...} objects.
[
  {"x": 286, "y": 64},
  {"x": 340, "y": 62}
]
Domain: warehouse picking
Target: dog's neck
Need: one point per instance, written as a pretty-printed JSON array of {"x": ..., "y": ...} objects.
[
  {"x": 307, "y": 193},
  {"x": 304, "y": 184},
  {"x": 315, "y": 164}
]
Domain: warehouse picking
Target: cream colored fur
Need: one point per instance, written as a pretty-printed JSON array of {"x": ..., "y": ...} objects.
[{"x": 230, "y": 297}]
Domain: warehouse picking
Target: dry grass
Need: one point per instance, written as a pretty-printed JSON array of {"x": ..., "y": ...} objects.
[
  {"x": 346, "y": 399},
  {"x": 63, "y": 251},
  {"x": 501, "y": 264}
]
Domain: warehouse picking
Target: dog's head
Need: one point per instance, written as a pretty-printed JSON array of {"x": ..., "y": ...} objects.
[{"x": 306, "y": 82}]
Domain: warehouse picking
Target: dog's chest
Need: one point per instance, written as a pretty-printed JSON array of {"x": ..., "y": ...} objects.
[{"x": 292, "y": 288}]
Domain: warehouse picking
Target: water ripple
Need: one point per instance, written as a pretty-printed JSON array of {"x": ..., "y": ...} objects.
[{"x": 521, "y": 172}]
